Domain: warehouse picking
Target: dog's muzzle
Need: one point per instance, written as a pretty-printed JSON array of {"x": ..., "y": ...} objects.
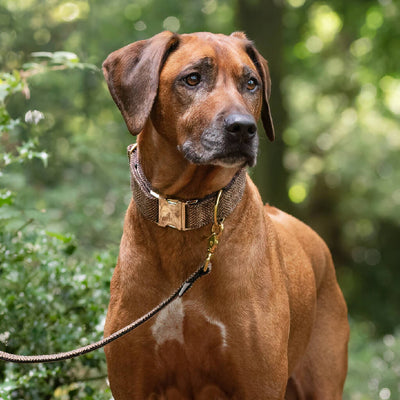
[{"x": 229, "y": 141}]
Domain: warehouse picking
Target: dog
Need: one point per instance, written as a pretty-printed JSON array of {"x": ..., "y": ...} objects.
[{"x": 269, "y": 322}]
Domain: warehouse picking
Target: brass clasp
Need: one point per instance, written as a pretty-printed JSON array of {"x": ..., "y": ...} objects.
[{"x": 216, "y": 231}]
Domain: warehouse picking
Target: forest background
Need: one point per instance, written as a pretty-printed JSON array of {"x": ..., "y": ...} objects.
[{"x": 64, "y": 180}]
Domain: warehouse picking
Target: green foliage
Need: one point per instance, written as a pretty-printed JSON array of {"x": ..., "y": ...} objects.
[
  {"x": 64, "y": 59},
  {"x": 44, "y": 292},
  {"x": 343, "y": 142},
  {"x": 374, "y": 365},
  {"x": 80, "y": 120},
  {"x": 45, "y": 308}
]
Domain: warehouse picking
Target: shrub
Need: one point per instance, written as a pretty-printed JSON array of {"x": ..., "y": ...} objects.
[
  {"x": 374, "y": 365},
  {"x": 49, "y": 300}
]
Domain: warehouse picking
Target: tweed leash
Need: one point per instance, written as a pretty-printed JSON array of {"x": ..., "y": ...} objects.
[{"x": 49, "y": 358}]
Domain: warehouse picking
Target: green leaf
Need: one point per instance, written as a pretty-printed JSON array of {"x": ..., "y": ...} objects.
[
  {"x": 6, "y": 197},
  {"x": 31, "y": 65},
  {"x": 44, "y": 54},
  {"x": 59, "y": 236},
  {"x": 63, "y": 56}
]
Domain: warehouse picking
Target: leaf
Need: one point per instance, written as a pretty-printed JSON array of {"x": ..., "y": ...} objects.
[
  {"x": 3, "y": 91},
  {"x": 31, "y": 65},
  {"x": 63, "y": 56},
  {"x": 70, "y": 249},
  {"x": 7, "y": 387},
  {"x": 58, "y": 57},
  {"x": 44, "y": 157},
  {"x": 44, "y": 54},
  {"x": 62, "y": 238},
  {"x": 6, "y": 198}
]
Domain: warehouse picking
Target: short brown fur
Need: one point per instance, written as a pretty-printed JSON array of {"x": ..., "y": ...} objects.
[{"x": 270, "y": 321}]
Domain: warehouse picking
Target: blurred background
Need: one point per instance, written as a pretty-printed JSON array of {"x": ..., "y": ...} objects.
[{"x": 64, "y": 180}]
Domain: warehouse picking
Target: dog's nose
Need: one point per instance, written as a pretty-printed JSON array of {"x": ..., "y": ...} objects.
[{"x": 241, "y": 126}]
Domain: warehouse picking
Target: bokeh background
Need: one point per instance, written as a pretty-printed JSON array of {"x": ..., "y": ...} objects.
[{"x": 64, "y": 180}]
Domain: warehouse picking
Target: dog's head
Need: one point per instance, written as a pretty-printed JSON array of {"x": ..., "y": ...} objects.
[{"x": 204, "y": 92}]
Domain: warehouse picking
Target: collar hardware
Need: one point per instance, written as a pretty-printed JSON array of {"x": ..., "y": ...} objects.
[
  {"x": 183, "y": 214},
  {"x": 171, "y": 213}
]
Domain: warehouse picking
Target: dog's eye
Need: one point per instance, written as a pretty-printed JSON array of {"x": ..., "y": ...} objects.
[
  {"x": 193, "y": 79},
  {"x": 251, "y": 84}
]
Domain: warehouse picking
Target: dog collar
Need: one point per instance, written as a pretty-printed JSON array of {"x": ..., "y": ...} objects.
[{"x": 181, "y": 214}]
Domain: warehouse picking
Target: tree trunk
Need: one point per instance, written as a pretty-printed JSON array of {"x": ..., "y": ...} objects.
[{"x": 261, "y": 20}]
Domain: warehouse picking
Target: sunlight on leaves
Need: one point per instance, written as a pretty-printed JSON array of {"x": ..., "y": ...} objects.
[
  {"x": 171, "y": 24},
  {"x": 297, "y": 193},
  {"x": 296, "y": 3},
  {"x": 391, "y": 89},
  {"x": 70, "y": 11},
  {"x": 361, "y": 47},
  {"x": 133, "y": 12},
  {"x": 325, "y": 22}
]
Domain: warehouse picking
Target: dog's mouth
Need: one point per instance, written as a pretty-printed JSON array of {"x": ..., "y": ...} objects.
[
  {"x": 234, "y": 159},
  {"x": 220, "y": 153}
]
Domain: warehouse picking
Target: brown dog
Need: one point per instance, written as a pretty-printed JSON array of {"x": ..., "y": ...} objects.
[{"x": 269, "y": 321}]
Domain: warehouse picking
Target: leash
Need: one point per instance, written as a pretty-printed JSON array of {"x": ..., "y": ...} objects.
[
  {"x": 48, "y": 358},
  {"x": 205, "y": 268}
]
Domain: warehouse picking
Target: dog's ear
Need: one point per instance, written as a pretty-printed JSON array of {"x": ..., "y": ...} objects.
[
  {"x": 239, "y": 35},
  {"x": 262, "y": 68},
  {"x": 132, "y": 74}
]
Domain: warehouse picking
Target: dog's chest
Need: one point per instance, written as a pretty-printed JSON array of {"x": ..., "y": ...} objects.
[
  {"x": 187, "y": 323},
  {"x": 190, "y": 346}
]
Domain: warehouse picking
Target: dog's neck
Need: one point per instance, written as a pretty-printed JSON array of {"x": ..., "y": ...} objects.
[
  {"x": 170, "y": 174},
  {"x": 182, "y": 214}
]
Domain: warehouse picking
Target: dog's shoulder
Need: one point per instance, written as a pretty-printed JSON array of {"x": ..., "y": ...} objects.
[{"x": 298, "y": 236}]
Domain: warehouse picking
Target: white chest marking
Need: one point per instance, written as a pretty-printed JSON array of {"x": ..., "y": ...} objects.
[
  {"x": 169, "y": 323},
  {"x": 221, "y": 327}
]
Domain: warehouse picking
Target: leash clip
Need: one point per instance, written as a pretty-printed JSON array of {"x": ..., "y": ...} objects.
[
  {"x": 216, "y": 231},
  {"x": 189, "y": 283}
]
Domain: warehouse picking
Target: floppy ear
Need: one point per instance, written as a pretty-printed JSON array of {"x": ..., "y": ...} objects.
[
  {"x": 262, "y": 68},
  {"x": 132, "y": 74}
]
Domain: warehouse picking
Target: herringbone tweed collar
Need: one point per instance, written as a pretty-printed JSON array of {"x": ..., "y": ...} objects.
[{"x": 181, "y": 214}]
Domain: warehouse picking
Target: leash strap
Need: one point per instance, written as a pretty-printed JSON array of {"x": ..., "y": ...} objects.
[
  {"x": 213, "y": 240},
  {"x": 49, "y": 358}
]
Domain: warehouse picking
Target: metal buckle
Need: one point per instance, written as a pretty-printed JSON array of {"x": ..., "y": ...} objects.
[{"x": 171, "y": 213}]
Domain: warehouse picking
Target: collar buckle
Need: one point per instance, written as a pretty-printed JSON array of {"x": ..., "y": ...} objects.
[
  {"x": 172, "y": 213},
  {"x": 183, "y": 214}
]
